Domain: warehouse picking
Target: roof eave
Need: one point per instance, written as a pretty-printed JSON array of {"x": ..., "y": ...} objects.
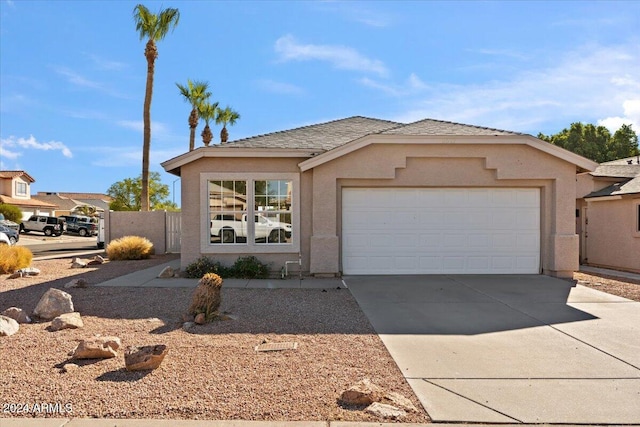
[{"x": 173, "y": 165}]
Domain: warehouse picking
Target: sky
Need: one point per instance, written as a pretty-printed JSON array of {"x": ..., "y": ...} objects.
[{"x": 73, "y": 73}]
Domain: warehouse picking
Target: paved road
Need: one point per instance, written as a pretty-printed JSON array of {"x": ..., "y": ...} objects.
[{"x": 41, "y": 245}]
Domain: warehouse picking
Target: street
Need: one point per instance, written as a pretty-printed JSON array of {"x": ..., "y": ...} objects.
[{"x": 43, "y": 246}]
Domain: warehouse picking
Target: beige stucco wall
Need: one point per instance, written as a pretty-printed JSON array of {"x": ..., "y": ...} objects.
[
  {"x": 151, "y": 225},
  {"x": 395, "y": 165},
  {"x": 613, "y": 240}
]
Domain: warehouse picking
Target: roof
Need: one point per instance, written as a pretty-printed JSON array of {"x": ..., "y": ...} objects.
[
  {"x": 63, "y": 203},
  {"x": 15, "y": 174},
  {"x": 321, "y": 137},
  {"x": 79, "y": 196},
  {"x": 25, "y": 202},
  {"x": 323, "y": 142},
  {"x": 627, "y": 170}
]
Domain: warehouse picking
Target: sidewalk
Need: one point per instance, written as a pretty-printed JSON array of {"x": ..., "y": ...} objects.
[
  {"x": 608, "y": 272},
  {"x": 148, "y": 278},
  {"x": 92, "y": 422}
]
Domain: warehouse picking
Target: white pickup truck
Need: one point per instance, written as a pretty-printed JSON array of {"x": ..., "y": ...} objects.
[{"x": 230, "y": 229}]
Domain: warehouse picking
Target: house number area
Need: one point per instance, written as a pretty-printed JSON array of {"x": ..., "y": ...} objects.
[{"x": 37, "y": 408}]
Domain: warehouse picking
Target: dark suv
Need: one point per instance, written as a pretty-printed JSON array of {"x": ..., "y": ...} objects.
[
  {"x": 49, "y": 225},
  {"x": 82, "y": 225}
]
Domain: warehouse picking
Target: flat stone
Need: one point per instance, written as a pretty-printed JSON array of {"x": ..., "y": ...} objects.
[
  {"x": 67, "y": 321},
  {"x": 398, "y": 400},
  {"x": 17, "y": 314},
  {"x": 97, "y": 347},
  {"x": 385, "y": 411},
  {"x": 78, "y": 263},
  {"x": 76, "y": 283},
  {"x": 364, "y": 392},
  {"x": 53, "y": 303},
  {"x": 166, "y": 273},
  {"x": 68, "y": 367},
  {"x": 8, "y": 326},
  {"x": 188, "y": 325},
  {"x": 29, "y": 271}
]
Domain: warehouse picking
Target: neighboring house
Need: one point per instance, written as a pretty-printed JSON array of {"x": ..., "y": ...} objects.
[
  {"x": 69, "y": 205},
  {"x": 369, "y": 196},
  {"x": 608, "y": 215},
  {"x": 15, "y": 189}
]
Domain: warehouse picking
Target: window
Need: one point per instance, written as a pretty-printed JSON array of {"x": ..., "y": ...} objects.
[
  {"x": 21, "y": 188},
  {"x": 250, "y": 213}
]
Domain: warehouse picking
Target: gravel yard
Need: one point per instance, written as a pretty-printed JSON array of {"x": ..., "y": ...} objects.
[{"x": 210, "y": 372}]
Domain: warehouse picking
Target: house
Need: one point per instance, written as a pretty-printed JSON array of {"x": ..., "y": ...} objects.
[
  {"x": 68, "y": 204},
  {"x": 369, "y": 196},
  {"x": 15, "y": 189},
  {"x": 608, "y": 215}
]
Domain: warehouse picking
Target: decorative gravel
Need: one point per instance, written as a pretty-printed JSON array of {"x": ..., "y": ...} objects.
[{"x": 211, "y": 371}]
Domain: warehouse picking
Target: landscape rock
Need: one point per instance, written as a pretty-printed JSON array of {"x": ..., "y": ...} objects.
[
  {"x": 398, "y": 400},
  {"x": 200, "y": 319},
  {"x": 17, "y": 314},
  {"x": 25, "y": 272},
  {"x": 78, "y": 263},
  {"x": 97, "y": 347},
  {"x": 188, "y": 317},
  {"x": 15, "y": 275},
  {"x": 364, "y": 392},
  {"x": 67, "y": 321},
  {"x": 144, "y": 358},
  {"x": 76, "y": 283},
  {"x": 188, "y": 325},
  {"x": 68, "y": 367},
  {"x": 8, "y": 326},
  {"x": 97, "y": 260},
  {"x": 385, "y": 411},
  {"x": 166, "y": 273},
  {"x": 53, "y": 303}
]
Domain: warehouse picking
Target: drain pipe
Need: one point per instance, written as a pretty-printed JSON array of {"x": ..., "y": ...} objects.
[{"x": 285, "y": 274}]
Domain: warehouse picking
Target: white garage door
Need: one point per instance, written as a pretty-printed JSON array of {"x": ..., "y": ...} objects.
[{"x": 440, "y": 230}]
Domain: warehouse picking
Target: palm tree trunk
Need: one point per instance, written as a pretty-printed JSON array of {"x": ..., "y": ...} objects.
[
  {"x": 151, "y": 54},
  {"x": 193, "y": 124}
]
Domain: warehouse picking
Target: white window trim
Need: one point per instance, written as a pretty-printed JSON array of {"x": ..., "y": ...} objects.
[
  {"x": 251, "y": 247},
  {"x": 26, "y": 188}
]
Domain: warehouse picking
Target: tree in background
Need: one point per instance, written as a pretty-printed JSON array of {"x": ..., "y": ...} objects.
[
  {"x": 224, "y": 117},
  {"x": 207, "y": 112},
  {"x": 11, "y": 212},
  {"x": 195, "y": 93},
  {"x": 595, "y": 142},
  {"x": 127, "y": 194},
  {"x": 86, "y": 210},
  {"x": 154, "y": 27}
]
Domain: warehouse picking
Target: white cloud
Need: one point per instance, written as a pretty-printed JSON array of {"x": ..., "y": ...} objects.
[
  {"x": 106, "y": 64},
  {"x": 341, "y": 57},
  {"x": 11, "y": 147},
  {"x": 279, "y": 87},
  {"x": 582, "y": 85},
  {"x": 631, "y": 117},
  {"x": 138, "y": 126},
  {"x": 412, "y": 86},
  {"x": 77, "y": 79}
]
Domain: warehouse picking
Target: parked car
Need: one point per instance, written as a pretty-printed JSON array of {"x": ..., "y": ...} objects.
[
  {"x": 49, "y": 225},
  {"x": 83, "y": 225},
  {"x": 229, "y": 227},
  {"x": 11, "y": 234},
  {"x": 4, "y": 239},
  {"x": 9, "y": 223}
]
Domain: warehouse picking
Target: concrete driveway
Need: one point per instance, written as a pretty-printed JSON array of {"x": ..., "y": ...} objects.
[{"x": 509, "y": 349}]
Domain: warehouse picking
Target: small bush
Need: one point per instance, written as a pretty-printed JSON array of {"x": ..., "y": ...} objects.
[
  {"x": 207, "y": 296},
  {"x": 129, "y": 247},
  {"x": 202, "y": 266},
  {"x": 14, "y": 258},
  {"x": 249, "y": 267},
  {"x": 11, "y": 212}
]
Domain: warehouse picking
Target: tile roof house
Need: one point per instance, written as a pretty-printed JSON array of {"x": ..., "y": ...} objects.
[
  {"x": 367, "y": 196},
  {"x": 15, "y": 189},
  {"x": 608, "y": 215},
  {"x": 68, "y": 203}
]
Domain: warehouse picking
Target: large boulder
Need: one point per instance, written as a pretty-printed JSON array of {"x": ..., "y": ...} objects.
[
  {"x": 97, "y": 347},
  {"x": 53, "y": 303},
  {"x": 363, "y": 392},
  {"x": 144, "y": 358},
  {"x": 67, "y": 321},
  {"x": 8, "y": 326},
  {"x": 17, "y": 314}
]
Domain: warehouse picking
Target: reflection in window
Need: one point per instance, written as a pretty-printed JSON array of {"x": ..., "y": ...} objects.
[
  {"x": 272, "y": 208},
  {"x": 228, "y": 211}
]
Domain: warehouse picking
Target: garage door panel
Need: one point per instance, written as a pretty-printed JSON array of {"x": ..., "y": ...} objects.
[{"x": 434, "y": 230}]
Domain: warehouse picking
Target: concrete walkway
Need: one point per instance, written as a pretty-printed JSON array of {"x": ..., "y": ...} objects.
[
  {"x": 509, "y": 349},
  {"x": 148, "y": 278}
]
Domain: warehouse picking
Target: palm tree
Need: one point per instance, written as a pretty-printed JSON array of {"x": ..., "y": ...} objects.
[
  {"x": 224, "y": 117},
  {"x": 195, "y": 93},
  {"x": 207, "y": 112},
  {"x": 154, "y": 27}
]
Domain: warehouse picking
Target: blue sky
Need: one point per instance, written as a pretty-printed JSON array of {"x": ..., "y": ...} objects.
[{"x": 72, "y": 73}]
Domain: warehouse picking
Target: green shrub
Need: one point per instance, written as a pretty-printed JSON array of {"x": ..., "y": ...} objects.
[
  {"x": 250, "y": 267},
  {"x": 202, "y": 266},
  {"x": 129, "y": 247},
  {"x": 14, "y": 258},
  {"x": 11, "y": 212}
]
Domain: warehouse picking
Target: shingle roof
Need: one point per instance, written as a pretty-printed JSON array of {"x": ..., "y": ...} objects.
[
  {"x": 617, "y": 171},
  {"x": 323, "y": 136},
  {"x": 25, "y": 202},
  {"x": 439, "y": 127},
  {"x": 631, "y": 186},
  {"x": 14, "y": 174},
  {"x": 629, "y": 173}
]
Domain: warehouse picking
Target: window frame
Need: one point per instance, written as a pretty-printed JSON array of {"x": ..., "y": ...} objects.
[
  {"x": 251, "y": 247},
  {"x": 636, "y": 218},
  {"x": 24, "y": 185}
]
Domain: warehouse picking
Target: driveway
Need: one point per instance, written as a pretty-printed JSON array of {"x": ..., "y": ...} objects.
[{"x": 509, "y": 349}]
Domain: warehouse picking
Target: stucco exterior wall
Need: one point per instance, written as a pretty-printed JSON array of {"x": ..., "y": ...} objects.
[
  {"x": 394, "y": 165},
  {"x": 613, "y": 240},
  {"x": 145, "y": 224}
]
